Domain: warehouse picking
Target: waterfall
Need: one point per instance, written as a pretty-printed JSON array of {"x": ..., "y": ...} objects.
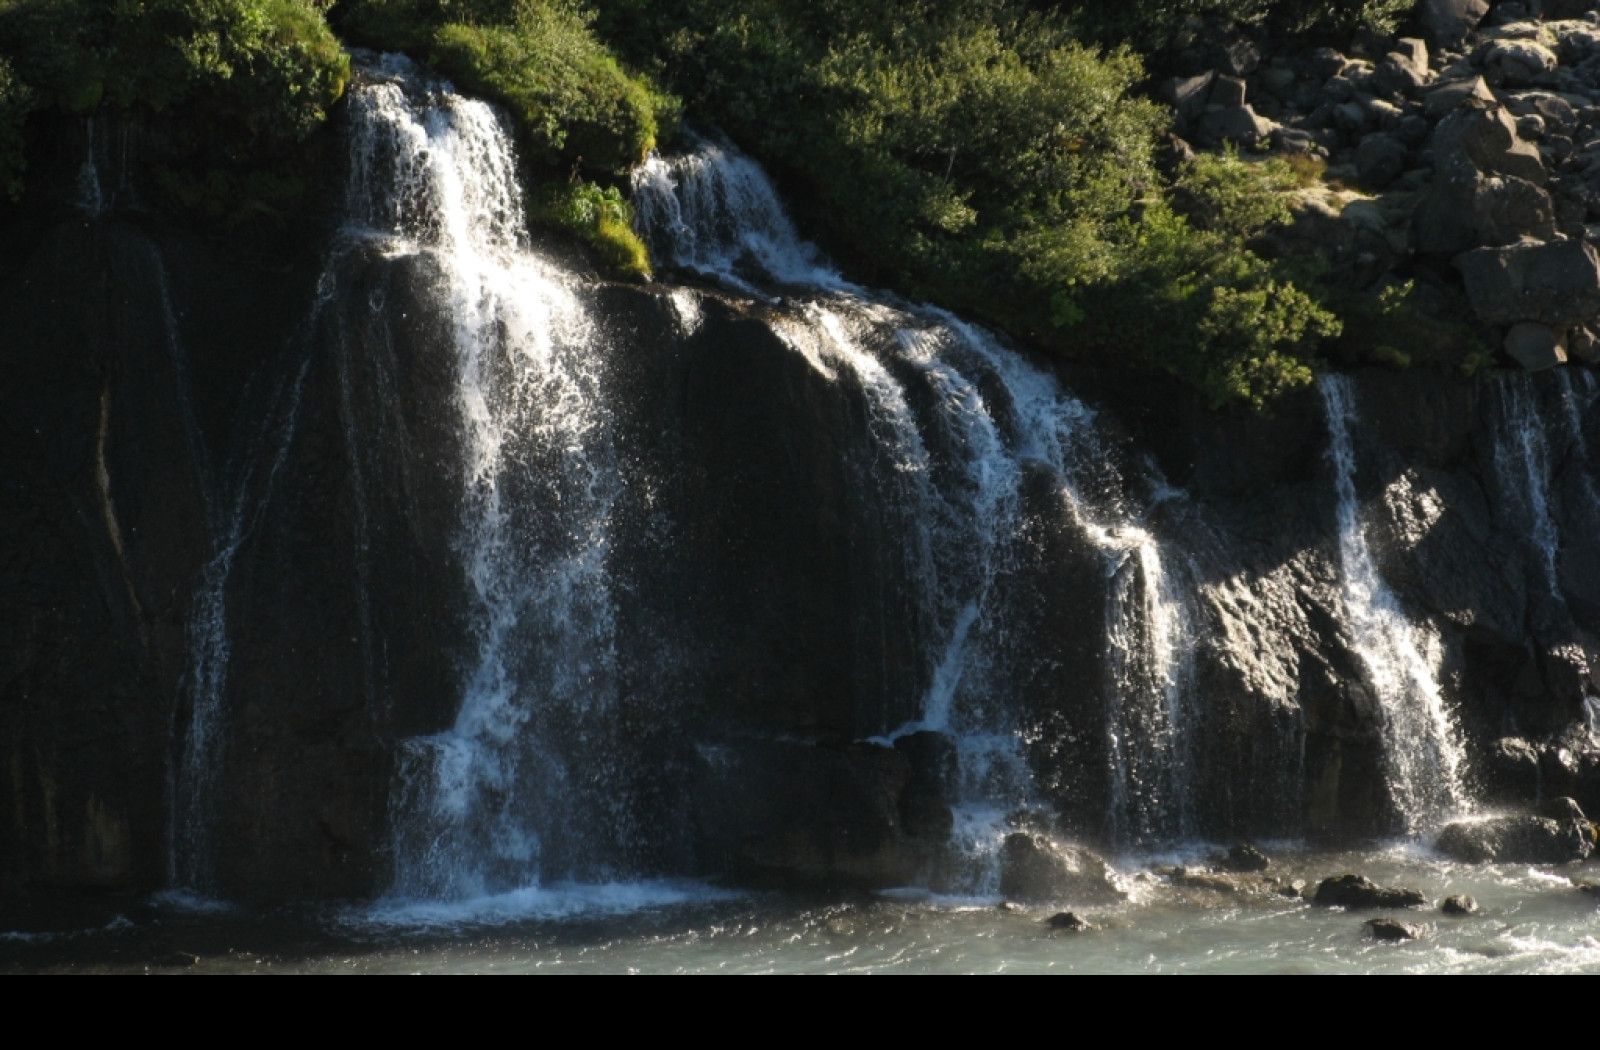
[
  {"x": 1422, "y": 748},
  {"x": 1522, "y": 466},
  {"x": 515, "y": 791},
  {"x": 713, "y": 212}
]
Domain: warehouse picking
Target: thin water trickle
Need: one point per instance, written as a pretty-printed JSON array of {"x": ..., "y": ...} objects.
[
  {"x": 1522, "y": 463},
  {"x": 1422, "y": 747}
]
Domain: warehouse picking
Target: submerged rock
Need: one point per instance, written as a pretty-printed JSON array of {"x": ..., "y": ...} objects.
[
  {"x": 1066, "y": 920},
  {"x": 1459, "y": 904},
  {"x": 1358, "y": 891},
  {"x": 1035, "y": 868},
  {"x": 1244, "y": 857},
  {"x": 1393, "y": 930},
  {"x": 1524, "y": 839}
]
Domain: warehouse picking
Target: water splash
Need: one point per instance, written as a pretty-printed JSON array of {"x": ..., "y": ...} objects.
[
  {"x": 1422, "y": 748},
  {"x": 515, "y": 792}
]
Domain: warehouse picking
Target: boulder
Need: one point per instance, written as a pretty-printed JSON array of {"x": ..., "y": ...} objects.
[
  {"x": 1393, "y": 930},
  {"x": 1380, "y": 159},
  {"x": 1459, "y": 904},
  {"x": 925, "y": 804},
  {"x": 1240, "y": 58},
  {"x": 1505, "y": 210},
  {"x": 1557, "y": 284},
  {"x": 1358, "y": 891},
  {"x": 1516, "y": 840},
  {"x": 1236, "y": 124},
  {"x": 1443, "y": 98},
  {"x": 1324, "y": 62},
  {"x": 1448, "y": 22},
  {"x": 1482, "y": 136},
  {"x": 1228, "y": 92},
  {"x": 1400, "y": 74},
  {"x": 1562, "y": 809},
  {"x": 1245, "y": 857},
  {"x": 1511, "y": 771},
  {"x": 1034, "y": 867},
  {"x": 1534, "y": 346},
  {"x": 1066, "y": 920},
  {"x": 1583, "y": 345},
  {"x": 1517, "y": 63},
  {"x": 1189, "y": 95}
]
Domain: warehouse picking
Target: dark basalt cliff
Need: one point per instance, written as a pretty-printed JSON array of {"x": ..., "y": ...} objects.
[{"x": 164, "y": 405}]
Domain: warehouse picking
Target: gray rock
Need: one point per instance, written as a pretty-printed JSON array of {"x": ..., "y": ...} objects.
[
  {"x": 1481, "y": 137},
  {"x": 1534, "y": 346},
  {"x": 1352, "y": 117},
  {"x": 1397, "y": 74},
  {"x": 1449, "y": 21},
  {"x": 1445, "y": 97},
  {"x": 1339, "y": 89},
  {"x": 1189, "y": 95},
  {"x": 1563, "y": 809},
  {"x": 1516, "y": 840},
  {"x": 1245, "y": 857},
  {"x": 1531, "y": 127},
  {"x": 1278, "y": 80},
  {"x": 1459, "y": 904},
  {"x": 1035, "y": 868},
  {"x": 1293, "y": 140},
  {"x": 1380, "y": 159},
  {"x": 1511, "y": 773},
  {"x": 1066, "y": 920},
  {"x": 1412, "y": 130},
  {"x": 1506, "y": 210},
  {"x": 1358, "y": 891},
  {"x": 1387, "y": 114},
  {"x": 1556, "y": 112},
  {"x": 1583, "y": 345},
  {"x": 1238, "y": 124},
  {"x": 1557, "y": 284},
  {"x": 1325, "y": 62},
  {"x": 1393, "y": 930},
  {"x": 1227, "y": 92},
  {"x": 1240, "y": 58},
  {"x": 1517, "y": 63}
]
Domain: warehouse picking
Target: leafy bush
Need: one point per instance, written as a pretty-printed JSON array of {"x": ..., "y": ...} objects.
[
  {"x": 1159, "y": 24},
  {"x": 574, "y": 106},
  {"x": 599, "y": 217}
]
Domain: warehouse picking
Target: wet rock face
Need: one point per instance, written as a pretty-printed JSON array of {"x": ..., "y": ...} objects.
[
  {"x": 1518, "y": 840},
  {"x": 1358, "y": 891},
  {"x": 1033, "y": 867},
  {"x": 1393, "y": 930}
]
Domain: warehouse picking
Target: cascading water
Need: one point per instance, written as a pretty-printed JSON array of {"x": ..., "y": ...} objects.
[
  {"x": 712, "y": 211},
  {"x": 496, "y": 802},
  {"x": 1422, "y": 748},
  {"x": 1522, "y": 465}
]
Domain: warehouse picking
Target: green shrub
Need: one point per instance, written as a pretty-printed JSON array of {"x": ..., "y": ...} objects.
[{"x": 599, "y": 217}]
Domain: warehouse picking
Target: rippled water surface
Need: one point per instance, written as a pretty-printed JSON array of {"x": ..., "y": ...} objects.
[{"x": 1532, "y": 920}]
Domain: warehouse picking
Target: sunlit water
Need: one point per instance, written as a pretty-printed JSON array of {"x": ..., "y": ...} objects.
[{"x": 1532, "y": 920}]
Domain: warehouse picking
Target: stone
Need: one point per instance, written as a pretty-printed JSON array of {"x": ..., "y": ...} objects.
[
  {"x": 1398, "y": 75},
  {"x": 1555, "y": 112},
  {"x": 1443, "y": 98},
  {"x": 1459, "y": 904},
  {"x": 1562, "y": 808},
  {"x": 1534, "y": 346},
  {"x": 1069, "y": 921},
  {"x": 925, "y": 804},
  {"x": 1239, "y": 125},
  {"x": 1324, "y": 62},
  {"x": 1245, "y": 857},
  {"x": 1506, "y": 210},
  {"x": 1358, "y": 891},
  {"x": 1278, "y": 80},
  {"x": 1583, "y": 345},
  {"x": 1033, "y": 867},
  {"x": 1511, "y": 770},
  {"x": 1517, "y": 63},
  {"x": 1189, "y": 95},
  {"x": 1557, "y": 284},
  {"x": 1448, "y": 22},
  {"x": 1393, "y": 930},
  {"x": 1339, "y": 89},
  {"x": 1482, "y": 137},
  {"x": 1530, "y": 127},
  {"x": 1413, "y": 130},
  {"x": 1227, "y": 92},
  {"x": 1516, "y": 840},
  {"x": 1240, "y": 58},
  {"x": 1380, "y": 159}
]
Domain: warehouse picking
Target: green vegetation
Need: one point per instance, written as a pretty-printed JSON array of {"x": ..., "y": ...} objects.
[
  {"x": 234, "y": 85},
  {"x": 983, "y": 156},
  {"x": 1159, "y": 24},
  {"x": 600, "y": 217}
]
